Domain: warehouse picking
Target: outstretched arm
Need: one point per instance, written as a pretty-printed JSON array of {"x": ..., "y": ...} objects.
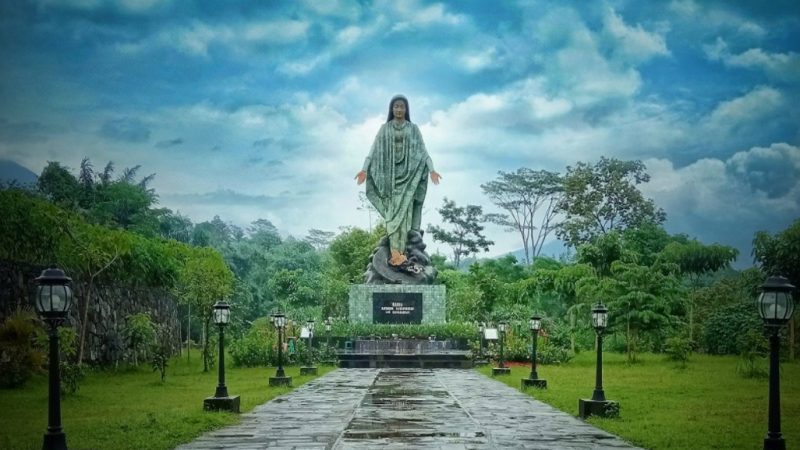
[{"x": 435, "y": 177}]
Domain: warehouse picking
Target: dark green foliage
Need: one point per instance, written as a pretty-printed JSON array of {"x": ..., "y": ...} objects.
[
  {"x": 602, "y": 197},
  {"x": 423, "y": 331},
  {"x": 753, "y": 350},
  {"x": 678, "y": 349},
  {"x": 723, "y": 329},
  {"x": 257, "y": 347},
  {"x": 71, "y": 375},
  {"x": 465, "y": 236},
  {"x": 140, "y": 334},
  {"x": 20, "y": 357}
]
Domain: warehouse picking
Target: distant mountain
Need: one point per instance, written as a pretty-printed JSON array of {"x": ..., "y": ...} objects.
[
  {"x": 554, "y": 249},
  {"x": 11, "y": 171}
]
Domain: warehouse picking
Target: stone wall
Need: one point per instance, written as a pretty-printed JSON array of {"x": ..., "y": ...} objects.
[
  {"x": 109, "y": 307},
  {"x": 434, "y": 300}
]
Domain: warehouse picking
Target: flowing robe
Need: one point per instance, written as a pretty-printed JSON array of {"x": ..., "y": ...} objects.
[{"x": 397, "y": 169}]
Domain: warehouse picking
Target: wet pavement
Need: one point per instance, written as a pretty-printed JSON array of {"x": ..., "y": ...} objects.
[{"x": 443, "y": 409}]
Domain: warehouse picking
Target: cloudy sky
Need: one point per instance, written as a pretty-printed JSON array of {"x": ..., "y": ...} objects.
[{"x": 266, "y": 109}]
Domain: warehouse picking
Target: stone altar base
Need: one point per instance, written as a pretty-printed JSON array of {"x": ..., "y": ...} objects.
[
  {"x": 362, "y": 302},
  {"x": 419, "y": 353},
  {"x": 501, "y": 371},
  {"x": 222, "y": 404}
]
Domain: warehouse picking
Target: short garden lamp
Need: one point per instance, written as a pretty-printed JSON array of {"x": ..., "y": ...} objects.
[
  {"x": 310, "y": 369},
  {"x": 502, "y": 326},
  {"x": 533, "y": 380},
  {"x": 481, "y": 329},
  {"x": 221, "y": 400},
  {"x": 775, "y": 305},
  {"x": 598, "y": 405},
  {"x": 53, "y": 300},
  {"x": 280, "y": 379},
  {"x": 328, "y": 326}
]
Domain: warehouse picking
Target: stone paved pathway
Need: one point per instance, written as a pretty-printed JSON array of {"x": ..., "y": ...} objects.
[{"x": 442, "y": 409}]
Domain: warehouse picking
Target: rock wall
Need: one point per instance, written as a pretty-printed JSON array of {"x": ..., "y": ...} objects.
[{"x": 110, "y": 306}]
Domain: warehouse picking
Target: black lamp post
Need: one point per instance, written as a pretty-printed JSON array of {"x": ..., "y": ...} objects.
[
  {"x": 501, "y": 368},
  {"x": 280, "y": 378},
  {"x": 221, "y": 400},
  {"x": 775, "y": 305},
  {"x": 328, "y": 325},
  {"x": 310, "y": 369},
  {"x": 535, "y": 324},
  {"x": 53, "y": 300},
  {"x": 481, "y": 329},
  {"x": 598, "y": 405}
]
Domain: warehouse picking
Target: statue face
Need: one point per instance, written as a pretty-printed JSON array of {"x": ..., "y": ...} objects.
[{"x": 399, "y": 109}]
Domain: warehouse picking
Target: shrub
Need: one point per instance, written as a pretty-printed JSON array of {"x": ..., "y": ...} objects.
[
  {"x": 70, "y": 371},
  {"x": 256, "y": 347},
  {"x": 678, "y": 349},
  {"x": 722, "y": 331},
  {"x": 140, "y": 334},
  {"x": 20, "y": 358},
  {"x": 752, "y": 361}
]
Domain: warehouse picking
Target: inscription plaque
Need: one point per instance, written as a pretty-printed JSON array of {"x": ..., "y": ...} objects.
[{"x": 397, "y": 307}]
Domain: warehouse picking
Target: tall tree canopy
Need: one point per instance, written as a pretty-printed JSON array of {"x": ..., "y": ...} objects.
[
  {"x": 602, "y": 197},
  {"x": 529, "y": 198},
  {"x": 466, "y": 234}
]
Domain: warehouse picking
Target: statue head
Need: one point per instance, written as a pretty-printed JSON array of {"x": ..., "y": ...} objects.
[{"x": 403, "y": 99}]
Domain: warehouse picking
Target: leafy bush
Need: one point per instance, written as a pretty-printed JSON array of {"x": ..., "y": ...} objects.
[
  {"x": 20, "y": 358},
  {"x": 257, "y": 346},
  {"x": 678, "y": 349},
  {"x": 140, "y": 334},
  {"x": 71, "y": 372},
  {"x": 752, "y": 358},
  {"x": 406, "y": 331},
  {"x": 724, "y": 328},
  {"x": 161, "y": 351}
]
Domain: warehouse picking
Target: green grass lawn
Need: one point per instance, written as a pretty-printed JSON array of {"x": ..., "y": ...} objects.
[
  {"x": 133, "y": 409},
  {"x": 704, "y": 406}
]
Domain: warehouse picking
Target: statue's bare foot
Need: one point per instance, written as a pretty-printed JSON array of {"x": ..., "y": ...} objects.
[{"x": 397, "y": 258}]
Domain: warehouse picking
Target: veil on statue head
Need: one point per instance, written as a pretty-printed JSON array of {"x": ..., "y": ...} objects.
[{"x": 391, "y": 102}]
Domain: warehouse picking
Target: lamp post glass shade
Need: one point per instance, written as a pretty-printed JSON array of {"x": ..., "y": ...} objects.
[
  {"x": 279, "y": 320},
  {"x": 535, "y": 323},
  {"x": 599, "y": 316},
  {"x": 502, "y": 326},
  {"x": 53, "y": 294},
  {"x": 481, "y": 327},
  {"x": 310, "y": 325},
  {"x": 775, "y": 304},
  {"x": 222, "y": 313}
]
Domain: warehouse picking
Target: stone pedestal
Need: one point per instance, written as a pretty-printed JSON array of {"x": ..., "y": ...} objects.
[
  {"x": 222, "y": 404},
  {"x": 537, "y": 383},
  {"x": 308, "y": 371},
  {"x": 501, "y": 371},
  {"x": 280, "y": 381},
  {"x": 362, "y": 298},
  {"x": 599, "y": 408}
]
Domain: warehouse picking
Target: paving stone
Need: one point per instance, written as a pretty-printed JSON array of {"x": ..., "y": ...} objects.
[{"x": 441, "y": 409}]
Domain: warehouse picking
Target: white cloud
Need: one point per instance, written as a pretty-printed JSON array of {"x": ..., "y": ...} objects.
[
  {"x": 275, "y": 32},
  {"x": 779, "y": 66},
  {"x": 747, "y": 110},
  {"x": 633, "y": 43},
  {"x": 713, "y": 19}
]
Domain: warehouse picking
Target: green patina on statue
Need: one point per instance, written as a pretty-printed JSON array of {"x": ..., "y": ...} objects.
[{"x": 396, "y": 172}]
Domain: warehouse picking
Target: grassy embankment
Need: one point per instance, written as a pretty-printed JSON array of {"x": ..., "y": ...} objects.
[
  {"x": 132, "y": 409},
  {"x": 707, "y": 405}
]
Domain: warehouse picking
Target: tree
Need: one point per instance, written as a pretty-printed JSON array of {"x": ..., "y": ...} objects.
[
  {"x": 599, "y": 198},
  {"x": 319, "y": 239},
  {"x": 780, "y": 255},
  {"x": 203, "y": 280},
  {"x": 466, "y": 237},
  {"x": 59, "y": 186},
  {"x": 522, "y": 195},
  {"x": 694, "y": 260},
  {"x": 351, "y": 250}
]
